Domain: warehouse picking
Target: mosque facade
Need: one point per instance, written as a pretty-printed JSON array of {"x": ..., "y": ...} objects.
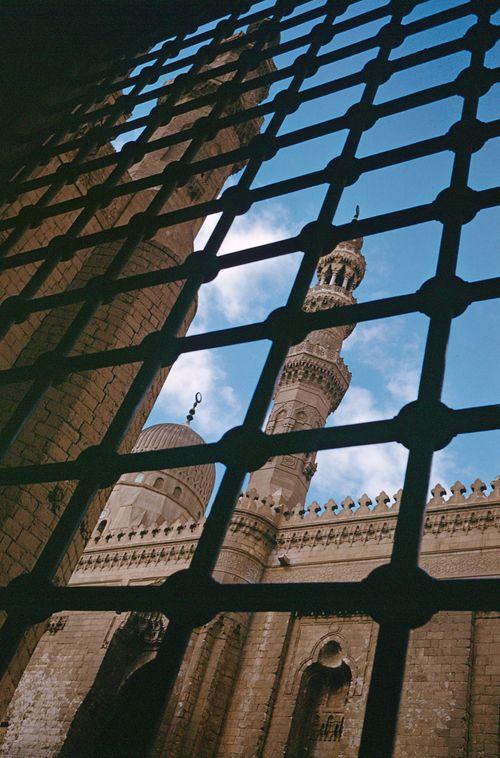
[
  {"x": 265, "y": 684},
  {"x": 268, "y": 684}
]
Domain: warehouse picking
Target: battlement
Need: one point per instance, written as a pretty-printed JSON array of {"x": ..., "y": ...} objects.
[
  {"x": 274, "y": 510},
  {"x": 381, "y": 505},
  {"x": 267, "y": 509},
  {"x": 332, "y": 542},
  {"x": 271, "y": 520}
]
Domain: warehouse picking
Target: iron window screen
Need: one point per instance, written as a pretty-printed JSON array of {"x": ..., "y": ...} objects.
[{"x": 399, "y": 596}]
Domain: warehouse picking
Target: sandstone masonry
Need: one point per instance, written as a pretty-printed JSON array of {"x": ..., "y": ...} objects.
[{"x": 76, "y": 414}]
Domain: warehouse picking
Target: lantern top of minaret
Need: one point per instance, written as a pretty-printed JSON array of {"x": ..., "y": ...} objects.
[{"x": 345, "y": 265}]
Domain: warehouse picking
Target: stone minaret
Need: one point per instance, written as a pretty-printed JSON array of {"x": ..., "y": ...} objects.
[{"x": 314, "y": 378}]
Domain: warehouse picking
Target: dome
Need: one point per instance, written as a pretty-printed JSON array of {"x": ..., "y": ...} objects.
[
  {"x": 161, "y": 497},
  {"x": 161, "y": 436}
]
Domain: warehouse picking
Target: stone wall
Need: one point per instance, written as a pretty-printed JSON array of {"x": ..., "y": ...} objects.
[
  {"x": 76, "y": 413},
  {"x": 61, "y": 673},
  {"x": 242, "y": 676},
  {"x": 484, "y": 686}
]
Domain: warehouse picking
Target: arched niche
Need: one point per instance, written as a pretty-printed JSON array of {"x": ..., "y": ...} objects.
[
  {"x": 118, "y": 692},
  {"x": 301, "y": 420},
  {"x": 318, "y": 719},
  {"x": 339, "y": 277}
]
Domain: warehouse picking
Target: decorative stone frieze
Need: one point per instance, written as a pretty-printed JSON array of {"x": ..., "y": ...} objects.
[{"x": 261, "y": 526}]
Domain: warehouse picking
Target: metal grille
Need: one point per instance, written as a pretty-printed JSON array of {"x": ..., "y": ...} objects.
[{"x": 399, "y": 596}]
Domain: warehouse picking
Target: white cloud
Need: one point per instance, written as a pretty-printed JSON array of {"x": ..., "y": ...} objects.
[
  {"x": 403, "y": 384},
  {"x": 370, "y": 468},
  {"x": 238, "y": 294},
  {"x": 391, "y": 350},
  {"x": 358, "y": 405},
  {"x": 246, "y": 292},
  {"x": 354, "y": 471},
  {"x": 203, "y": 372}
]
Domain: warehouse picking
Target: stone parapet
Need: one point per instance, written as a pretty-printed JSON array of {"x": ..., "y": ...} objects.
[
  {"x": 162, "y": 550},
  {"x": 266, "y": 530}
]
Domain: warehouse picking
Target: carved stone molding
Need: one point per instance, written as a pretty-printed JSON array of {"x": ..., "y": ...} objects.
[
  {"x": 57, "y": 624},
  {"x": 146, "y": 628},
  {"x": 473, "y": 563},
  {"x": 333, "y": 378},
  {"x": 245, "y": 567}
]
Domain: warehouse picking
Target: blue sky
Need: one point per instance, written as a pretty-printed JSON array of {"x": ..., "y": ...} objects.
[{"x": 384, "y": 356}]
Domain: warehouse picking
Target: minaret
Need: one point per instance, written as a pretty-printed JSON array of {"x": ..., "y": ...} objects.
[{"x": 314, "y": 378}]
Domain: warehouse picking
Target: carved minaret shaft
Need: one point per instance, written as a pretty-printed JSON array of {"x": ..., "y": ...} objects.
[{"x": 314, "y": 378}]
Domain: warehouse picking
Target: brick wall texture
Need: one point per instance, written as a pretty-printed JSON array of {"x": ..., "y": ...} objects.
[
  {"x": 274, "y": 683},
  {"x": 76, "y": 413}
]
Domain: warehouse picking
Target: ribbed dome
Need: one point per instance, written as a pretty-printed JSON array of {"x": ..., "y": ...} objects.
[
  {"x": 200, "y": 479},
  {"x": 162, "y": 436}
]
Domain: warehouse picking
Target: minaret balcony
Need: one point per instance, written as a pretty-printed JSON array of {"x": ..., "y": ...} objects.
[
  {"x": 323, "y": 296},
  {"x": 311, "y": 362}
]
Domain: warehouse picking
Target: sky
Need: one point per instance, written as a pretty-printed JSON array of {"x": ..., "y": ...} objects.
[{"x": 383, "y": 356}]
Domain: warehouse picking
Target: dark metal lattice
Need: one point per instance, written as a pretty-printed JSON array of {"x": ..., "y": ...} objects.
[{"x": 399, "y": 596}]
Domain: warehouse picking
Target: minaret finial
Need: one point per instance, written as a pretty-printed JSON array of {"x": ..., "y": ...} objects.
[
  {"x": 197, "y": 400},
  {"x": 356, "y": 214}
]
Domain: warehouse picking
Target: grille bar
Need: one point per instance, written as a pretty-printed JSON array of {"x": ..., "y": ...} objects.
[{"x": 398, "y": 596}]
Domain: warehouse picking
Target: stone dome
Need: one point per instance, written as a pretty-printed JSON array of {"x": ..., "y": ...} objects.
[
  {"x": 166, "y": 435},
  {"x": 200, "y": 479},
  {"x": 161, "y": 497}
]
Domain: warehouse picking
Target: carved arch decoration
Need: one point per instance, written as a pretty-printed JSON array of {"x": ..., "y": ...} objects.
[
  {"x": 324, "y": 687},
  {"x": 301, "y": 419},
  {"x": 276, "y": 419},
  {"x": 115, "y": 693},
  {"x": 331, "y": 636}
]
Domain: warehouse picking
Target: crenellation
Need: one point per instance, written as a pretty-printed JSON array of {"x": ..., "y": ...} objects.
[
  {"x": 457, "y": 496},
  {"x": 437, "y": 492},
  {"x": 364, "y": 506},
  {"x": 478, "y": 488},
  {"x": 382, "y": 502},
  {"x": 259, "y": 519},
  {"x": 495, "y": 489}
]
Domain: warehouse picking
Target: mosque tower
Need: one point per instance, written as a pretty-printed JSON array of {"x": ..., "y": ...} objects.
[{"x": 314, "y": 378}]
